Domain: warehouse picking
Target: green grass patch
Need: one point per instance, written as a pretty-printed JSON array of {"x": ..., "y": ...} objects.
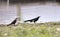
[{"x": 30, "y": 30}]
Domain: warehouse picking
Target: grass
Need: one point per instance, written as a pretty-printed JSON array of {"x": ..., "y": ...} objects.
[{"x": 31, "y": 30}]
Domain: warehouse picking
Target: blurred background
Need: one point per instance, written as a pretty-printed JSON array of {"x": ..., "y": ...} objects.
[{"x": 49, "y": 10}]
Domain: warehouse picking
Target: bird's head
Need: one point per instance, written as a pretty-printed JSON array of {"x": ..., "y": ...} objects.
[
  {"x": 39, "y": 16},
  {"x": 16, "y": 18}
]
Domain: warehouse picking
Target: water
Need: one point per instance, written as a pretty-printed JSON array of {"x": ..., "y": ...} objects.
[{"x": 48, "y": 12}]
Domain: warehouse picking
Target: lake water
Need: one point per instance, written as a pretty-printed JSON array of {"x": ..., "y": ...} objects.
[{"x": 49, "y": 12}]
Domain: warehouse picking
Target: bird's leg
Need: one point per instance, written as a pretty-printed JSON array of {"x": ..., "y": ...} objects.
[{"x": 34, "y": 21}]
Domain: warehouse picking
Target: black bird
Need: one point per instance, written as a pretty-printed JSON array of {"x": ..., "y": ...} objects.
[
  {"x": 13, "y": 22},
  {"x": 33, "y": 20}
]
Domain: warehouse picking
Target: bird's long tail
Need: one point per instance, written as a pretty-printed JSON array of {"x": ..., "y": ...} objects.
[{"x": 26, "y": 20}]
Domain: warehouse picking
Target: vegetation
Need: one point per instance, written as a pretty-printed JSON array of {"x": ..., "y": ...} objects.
[{"x": 31, "y": 30}]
